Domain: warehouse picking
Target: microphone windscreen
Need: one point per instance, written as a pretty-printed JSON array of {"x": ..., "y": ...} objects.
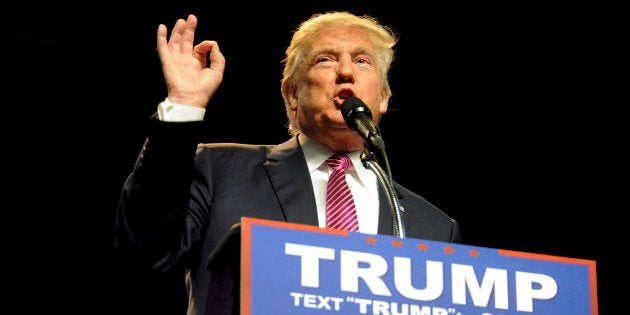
[{"x": 351, "y": 108}]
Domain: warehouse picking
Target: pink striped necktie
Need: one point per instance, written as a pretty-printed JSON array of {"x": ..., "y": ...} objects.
[{"x": 340, "y": 211}]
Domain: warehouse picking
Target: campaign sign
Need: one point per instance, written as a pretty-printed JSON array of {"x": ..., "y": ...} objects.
[{"x": 295, "y": 269}]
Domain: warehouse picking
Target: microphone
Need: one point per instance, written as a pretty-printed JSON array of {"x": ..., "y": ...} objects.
[{"x": 359, "y": 118}]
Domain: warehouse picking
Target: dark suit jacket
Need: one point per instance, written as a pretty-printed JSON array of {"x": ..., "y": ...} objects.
[{"x": 165, "y": 221}]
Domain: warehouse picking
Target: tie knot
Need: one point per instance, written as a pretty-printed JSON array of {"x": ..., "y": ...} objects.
[{"x": 339, "y": 162}]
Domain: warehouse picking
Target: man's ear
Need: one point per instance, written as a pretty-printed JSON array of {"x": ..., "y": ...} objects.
[
  {"x": 290, "y": 96},
  {"x": 293, "y": 101},
  {"x": 384, "y": 102}
]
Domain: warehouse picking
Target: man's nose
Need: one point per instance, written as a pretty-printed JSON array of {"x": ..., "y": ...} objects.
[{"x": 345, "y": 72}]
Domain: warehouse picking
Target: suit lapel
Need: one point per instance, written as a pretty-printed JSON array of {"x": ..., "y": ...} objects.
[{"x": 294, "y": 191}]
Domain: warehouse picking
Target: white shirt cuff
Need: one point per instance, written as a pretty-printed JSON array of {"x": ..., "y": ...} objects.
[{"x": 174, "y": 112}]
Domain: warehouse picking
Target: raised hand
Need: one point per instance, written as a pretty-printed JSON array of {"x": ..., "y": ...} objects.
[{"x": 190, "y": 80}]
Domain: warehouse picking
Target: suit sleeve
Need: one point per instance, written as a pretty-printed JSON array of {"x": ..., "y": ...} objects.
[{"x": 151, "y": 213}]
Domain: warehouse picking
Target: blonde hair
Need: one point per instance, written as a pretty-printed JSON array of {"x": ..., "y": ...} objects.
[{"x": 383, "y": 36}]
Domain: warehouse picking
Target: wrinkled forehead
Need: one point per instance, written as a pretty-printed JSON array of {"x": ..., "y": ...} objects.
[{"x": 342, "y": 38}]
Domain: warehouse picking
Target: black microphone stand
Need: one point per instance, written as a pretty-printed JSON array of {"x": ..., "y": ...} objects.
[{"x": 385, "y": 179}]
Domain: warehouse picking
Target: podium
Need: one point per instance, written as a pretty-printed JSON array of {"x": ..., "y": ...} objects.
[{"x": 288, "y": 268}]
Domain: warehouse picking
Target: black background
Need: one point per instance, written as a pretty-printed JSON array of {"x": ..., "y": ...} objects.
[{"x": 507, "y": 117}]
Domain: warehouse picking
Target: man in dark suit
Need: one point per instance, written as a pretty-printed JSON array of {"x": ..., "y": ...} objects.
[{"x": 182, "y": 198}]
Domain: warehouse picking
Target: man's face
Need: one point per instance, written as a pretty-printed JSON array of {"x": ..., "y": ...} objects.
[{"x": 339, "y": 62}]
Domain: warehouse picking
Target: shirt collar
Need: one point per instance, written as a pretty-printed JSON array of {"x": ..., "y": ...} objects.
[{"x": 316, "y": 154}]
